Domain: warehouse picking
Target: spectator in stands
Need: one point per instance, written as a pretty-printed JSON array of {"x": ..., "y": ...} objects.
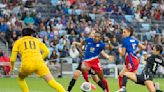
[
  {"x": 6, "y": 63},
  {"x": 88, "y": 28},
  {"x": 70, "y": 27},
  {"x": 115, "y": 52},
  {"x": 157, "y": 14},
  {"x": 28, "y": 19},
  {"x": 54, "y": 58},
  {"x": 17, "y": 22},
  {"x": 54, "y": 42},
  {"x": 59, "y": 47},
  {"x": 46, "y": 41},
  {"x": 4, "y": 26},
  {"x": 148, "y": 46},
  {"x": 73, "y": 37},
  {"x": 59, "y": 26},
  {"x": 8, "y": 36},
  {"x": 43, "y": 32},
  {"x": 143, "y": 57}
]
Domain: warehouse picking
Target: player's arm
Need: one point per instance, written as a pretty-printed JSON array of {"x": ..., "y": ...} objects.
[
  {"x": 14, "y": 54},
  {"x": 79, "y": 44},
  {"x": 76, "y": 43},
  {"x": 109, "y": 46},
  {"x": 141, "y": 47},
  {"x": 45, "y": 50},
  {"x": 109, "y": 57},
  {"x": 122, "y": 51}
]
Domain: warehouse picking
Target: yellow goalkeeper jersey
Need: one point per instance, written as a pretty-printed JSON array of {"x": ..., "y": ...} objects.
[
  {"x": 29, "y": 47},
  {"x": 32, "y": 52}
]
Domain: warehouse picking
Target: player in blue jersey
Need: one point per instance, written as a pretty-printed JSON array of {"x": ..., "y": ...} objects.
[
  {"x": 150, "y": 69},
  {"x": 94, "y": 47},
  {"x": 85, "y": 74},
  {"x": 129, "y": 49}
]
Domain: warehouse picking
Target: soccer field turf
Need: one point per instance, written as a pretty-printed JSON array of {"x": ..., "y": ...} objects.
[{"x": 39, "y": 85}]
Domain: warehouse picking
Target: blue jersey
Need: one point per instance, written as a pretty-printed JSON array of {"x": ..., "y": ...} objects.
[
  {"x": 93, "y": 49},
  {"x": 130, "y": 44}
]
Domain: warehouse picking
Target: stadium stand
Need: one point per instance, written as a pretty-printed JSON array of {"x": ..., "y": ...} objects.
[{"x": 60, "y": 22}]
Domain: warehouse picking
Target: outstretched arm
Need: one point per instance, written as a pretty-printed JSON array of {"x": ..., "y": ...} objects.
[
  {"x": 141, "y": 47},
  {"x": 14, "y": 54},
  {"x": 13, "y": 59},
  {"x": 122, "y": 51},
  {"x": 45, "y": 50},
  {"x": 109, "y": 57},
  {"x": 78, "y": 44}
]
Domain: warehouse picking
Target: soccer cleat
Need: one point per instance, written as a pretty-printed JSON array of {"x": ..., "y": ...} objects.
[
  {"x": 105, "y": 91},
  {"x": 121, "y": 90},
  {"x": 93, "y": 87},
  {"x": 159, "y": 91},
  {"x": 156, "y": 85}
]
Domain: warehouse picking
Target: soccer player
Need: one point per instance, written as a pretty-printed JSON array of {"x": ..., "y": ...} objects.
[
  {"x": 33, "y": 53},
  {"x": 95, "y": 47},
  {"x": 77, "y": 73},
  {"x": 146, "y": 78},
  {"x": 129, "y": 49}
]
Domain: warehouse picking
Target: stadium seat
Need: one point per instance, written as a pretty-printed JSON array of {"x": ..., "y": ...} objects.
[
  {"x": 113, "y": 21},
  {"x": 70, "y": 11},
  {"x": 93, "y": 16},
  {"x": 155, "y": 5},
  {"x": 129, "y": 18},
  {"x": 78, "y": 11},
  {"x": 62, "y": 32},
  {"x": 145, "y": 26}
]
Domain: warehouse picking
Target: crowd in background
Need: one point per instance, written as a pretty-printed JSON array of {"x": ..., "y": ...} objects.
[{"x": 60, "y": 22}]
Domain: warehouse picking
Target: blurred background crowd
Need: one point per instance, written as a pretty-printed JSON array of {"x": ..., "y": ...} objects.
[{"x": 60, "y": 22}]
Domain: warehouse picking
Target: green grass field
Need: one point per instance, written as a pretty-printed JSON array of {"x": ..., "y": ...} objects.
[{"x": 39, "y": 85}]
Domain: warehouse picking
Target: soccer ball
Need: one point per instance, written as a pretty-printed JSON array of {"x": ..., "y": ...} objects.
[{"x": 86, "y": 87}]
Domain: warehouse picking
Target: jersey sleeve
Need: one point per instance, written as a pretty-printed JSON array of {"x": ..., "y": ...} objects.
[
  {"x": 15, "y": 47},
  {"x": 123, "y": 43},
  {"x": 137, "y": 42},
  {"x": 44, "y": 49}
]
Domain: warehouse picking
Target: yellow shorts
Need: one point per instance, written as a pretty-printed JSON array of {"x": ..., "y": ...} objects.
[{"x": 38, "y": 67}]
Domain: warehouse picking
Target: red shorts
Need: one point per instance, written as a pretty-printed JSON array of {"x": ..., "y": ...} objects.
[
  {"x": 135, "y": 62},
  {"x": 93, "y": 64}
]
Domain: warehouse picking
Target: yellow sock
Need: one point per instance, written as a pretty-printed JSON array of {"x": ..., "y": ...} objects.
[
  {"x": 56, "y": 85},
  {"x": 23, "y": 85}
]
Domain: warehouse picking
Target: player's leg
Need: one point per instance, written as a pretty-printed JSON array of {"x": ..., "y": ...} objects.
[
  {"x": 85, "y": 75},
  {"x": 76, "y": 75},
  {"x": 101, "y": 77},
  {"x": 150, "y": 85},
  {"x": 85, "y": 67},
  {"x": 98, "y": 81},
  {"x": 44, "y": 72},
  {"x": 51, "y": 81},
  {"x": 127, "y": 75},
  {"x": 22, "y": 83},
  {"x": 120, "y": 77}
]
